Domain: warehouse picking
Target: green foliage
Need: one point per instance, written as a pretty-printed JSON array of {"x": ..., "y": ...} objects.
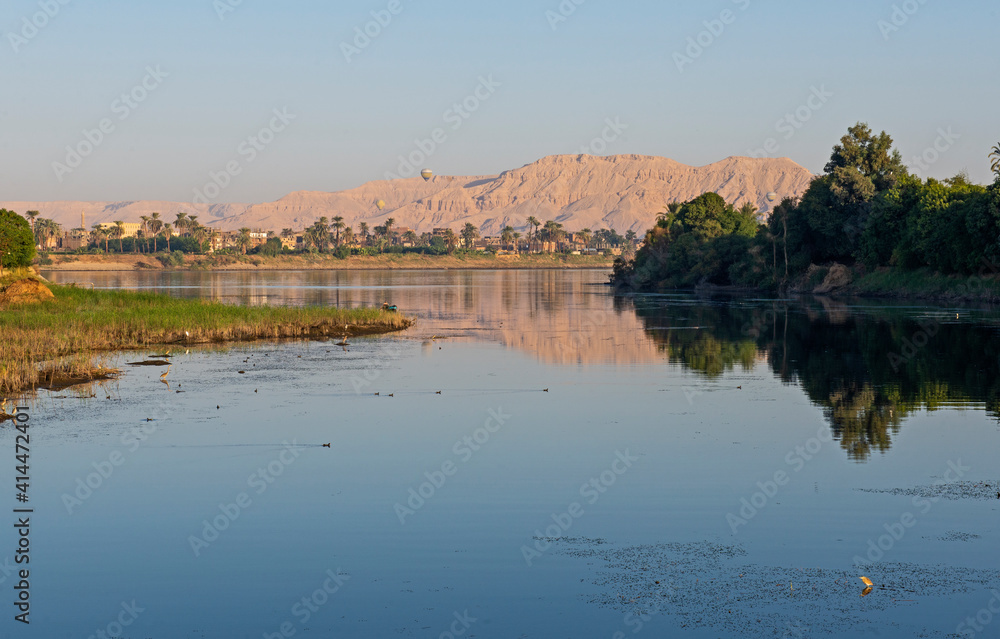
[
  {"x": 697, "y": 242},
  {"x": 865, "y": 209},
  {"x": 17, "y": 242},
  {"x": 271, "y": 248}
]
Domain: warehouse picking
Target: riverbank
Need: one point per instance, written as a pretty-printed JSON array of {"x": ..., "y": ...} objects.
[
  {"x": 306, "y": 262},
  {"x": 52, "y": 343},
  {"x": 840, "y": 282}
]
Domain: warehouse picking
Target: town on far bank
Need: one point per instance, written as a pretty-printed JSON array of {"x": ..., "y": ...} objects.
[{"x": 187, "y": 235}]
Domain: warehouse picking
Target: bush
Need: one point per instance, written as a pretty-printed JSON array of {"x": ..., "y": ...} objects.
[{"x": 17, "y": 242}]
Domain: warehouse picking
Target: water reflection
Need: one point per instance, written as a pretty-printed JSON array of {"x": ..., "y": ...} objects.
[{"x": 868, "y": 367}]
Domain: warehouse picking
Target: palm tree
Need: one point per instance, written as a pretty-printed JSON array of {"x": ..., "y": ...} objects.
[
  {"x": 181, "y": 223},
  {"x": 389, "y": 223},
  {"x": 119, "y": 234},
  {"x": 469, "y": 234},
  {"x": 553, "y": 231},
  {"x": 155, "y": 226},
  {"x": 517, "y": 242},
  {"x": 200, "y": 234},
  {"x": 287, "y": 233},
  {"x": 995, "y": 154},
  {"x": 363, "y": 230},
  {"x": 31, "y": 218},
  {"x": 507, "y": 235},
  {"x": 450, "y": 239},
  {"x": 533, "y": 225},
  {"x": 144, "y": 229},
  {"x": 587, "y": 236},
  {"x": 100, "y": 234},
  {"x": 338, "y": 225},
  {"x": 348, "y": 236},
  {"x": 243, "y": 240}
]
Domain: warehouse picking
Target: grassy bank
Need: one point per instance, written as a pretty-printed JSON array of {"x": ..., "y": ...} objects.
[
  {"x": 127, "y": 262},
  {"x": 926, "y": 284},
  {"x": 49, "y": 343}
]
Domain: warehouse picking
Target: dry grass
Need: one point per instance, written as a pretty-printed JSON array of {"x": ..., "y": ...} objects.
[{"x": 43, "y": 343}]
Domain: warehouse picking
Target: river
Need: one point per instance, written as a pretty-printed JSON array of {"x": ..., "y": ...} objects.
[{"x": 534, "y": 458}]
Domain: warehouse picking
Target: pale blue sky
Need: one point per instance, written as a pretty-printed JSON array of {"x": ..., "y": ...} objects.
[{"x": 557, "y": 87}]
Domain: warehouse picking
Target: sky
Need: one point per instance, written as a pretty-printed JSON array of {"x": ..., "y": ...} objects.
[{"x": 125, "y": 100}]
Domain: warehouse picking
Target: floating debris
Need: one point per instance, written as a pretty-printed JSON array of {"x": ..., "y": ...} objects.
[{"x": 950, "y": 490}]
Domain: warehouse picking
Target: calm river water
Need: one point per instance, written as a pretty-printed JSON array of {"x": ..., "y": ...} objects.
[{"x": 535, "y": 458}]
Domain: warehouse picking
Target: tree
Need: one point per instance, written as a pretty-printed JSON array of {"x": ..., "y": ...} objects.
[
  {"x": 411, "y": 237},
  {"x": 181, "y": 223},
  {"x": 533, "y": 225},
  {"x": 469, "y": 234},
  {"x": 31, "y": 218},
  {"x": 119, "y": 233},
  {"x": 517, "y": 242},
  {"x": 17, "y": 242},
  {"x": 348, "y": 236},
  {"x": 587, "y": 236},
  {"x": 995, "y": 154},
  {"x": 338, "y": 225},
  {"x": 155, "y": 226},
  {"x": 389, "y": 223},
  {"x": 243, "y": 240},
  {"x": 870, "y": 155},
  {"x": 144, "y": 229},
  {"x": 450, "y": 239},
  {"x": 507, "y": 235},
  {"x": 363, "y": 231}
]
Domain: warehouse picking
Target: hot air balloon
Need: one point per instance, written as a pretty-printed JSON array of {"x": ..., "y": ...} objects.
[
  {"x": 380, "y": 204},
  {"x": 772, "y": 197},
  {"x": 427, "y": 174}
]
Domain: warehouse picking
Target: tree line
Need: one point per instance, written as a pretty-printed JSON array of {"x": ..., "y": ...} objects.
[{"x": 865, "y": 211}]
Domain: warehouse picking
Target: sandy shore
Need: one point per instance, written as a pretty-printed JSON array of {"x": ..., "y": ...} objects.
[{"x": 324, "y": 262}]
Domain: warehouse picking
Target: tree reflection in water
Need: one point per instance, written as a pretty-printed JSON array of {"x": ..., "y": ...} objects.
[{"x": 869, "y": 367}]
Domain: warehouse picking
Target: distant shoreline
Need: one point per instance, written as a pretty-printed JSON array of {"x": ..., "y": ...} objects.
[{"x": 127, "y": 262}]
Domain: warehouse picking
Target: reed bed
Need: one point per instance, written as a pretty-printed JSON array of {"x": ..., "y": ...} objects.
[{"x": 61, "y": 337}]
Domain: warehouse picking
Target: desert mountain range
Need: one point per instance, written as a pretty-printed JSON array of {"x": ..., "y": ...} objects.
[{"x": 622, "y": 192}]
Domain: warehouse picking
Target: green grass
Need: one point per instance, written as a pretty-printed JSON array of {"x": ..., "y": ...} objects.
[{"x": 60, "y": 337}]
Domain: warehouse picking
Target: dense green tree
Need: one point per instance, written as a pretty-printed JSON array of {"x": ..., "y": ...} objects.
[{"x": 17, "y": 242}]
